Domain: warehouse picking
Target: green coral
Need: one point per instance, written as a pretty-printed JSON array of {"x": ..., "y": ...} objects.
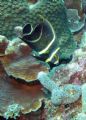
[{"x": 12, "y": 13}]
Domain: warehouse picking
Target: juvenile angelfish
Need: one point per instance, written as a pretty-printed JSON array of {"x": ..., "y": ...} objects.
[{"x": 42, "y": 39}]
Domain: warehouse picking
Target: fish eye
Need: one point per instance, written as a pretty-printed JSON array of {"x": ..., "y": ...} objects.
[{"x": 32, "y": 1}]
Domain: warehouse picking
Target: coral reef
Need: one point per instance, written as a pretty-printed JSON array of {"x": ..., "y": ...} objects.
[
  {"x": 3, "y": 44},
  {"x": 75, "y": 5},
  {"x": 83, "y": 40},
  {"x": 17, "y": 97},
  {"x": 64, "y": 82},
  {"x": 56, "y": 93},
  {"x": 66, "y": 94},
  {"x": 13, "y": 13},
  {"x": 64, "y": 79},
  {"x": 76, "y": 17},
  {"x": 70, "y": 73},
  {"x": 13, "y": 111},
  {"x": 18, "y": 30},
  {"x": 84, "y": 98},
  {"x": 19, "y": 63},
  {"x": 18, "y": 13},
  {"x": 75, "y": 74},
  {"x": 80, "y": 116},
  {"x": 74, "y": 20},
  {"x": 84, "y": 6},
  {"x": 62, "y": 112},
  {"x": 29, "y": 89}
]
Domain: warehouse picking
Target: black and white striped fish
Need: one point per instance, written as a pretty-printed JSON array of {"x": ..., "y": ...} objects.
[{"x": 42, "y": 40}]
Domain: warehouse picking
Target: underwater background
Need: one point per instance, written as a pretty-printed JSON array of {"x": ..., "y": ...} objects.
[{"x": 42, "y": 59}]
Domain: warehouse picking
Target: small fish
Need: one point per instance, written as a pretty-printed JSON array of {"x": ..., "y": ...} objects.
[{"x": 42, "y": 39}]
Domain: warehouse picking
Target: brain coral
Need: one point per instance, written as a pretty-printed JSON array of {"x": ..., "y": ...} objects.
[
  {"x": 12, "y": 13},
  {"x": 16, "y": 12}
]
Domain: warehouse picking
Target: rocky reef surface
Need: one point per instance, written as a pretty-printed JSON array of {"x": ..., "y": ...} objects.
[
  {"x": 29, "y": 89},
  {"x": 61, "y": 93}
]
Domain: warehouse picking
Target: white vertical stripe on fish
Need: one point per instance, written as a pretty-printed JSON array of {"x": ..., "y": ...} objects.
[{"x": 49, "y": 45}]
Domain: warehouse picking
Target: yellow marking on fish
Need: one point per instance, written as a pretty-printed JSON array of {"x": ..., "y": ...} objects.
[
  {"x": 56, "y": 62},
  {"x": 57, "y": 59},
  {"x": 52, "y": 55},
  {"x": 54, "y": 36}
]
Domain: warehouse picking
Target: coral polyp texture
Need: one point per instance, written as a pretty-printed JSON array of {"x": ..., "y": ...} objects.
[{"x": 12, "y": 13}]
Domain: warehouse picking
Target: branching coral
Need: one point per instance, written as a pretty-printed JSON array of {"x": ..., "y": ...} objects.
[
  {"x": 56, "y": 92},
  {"x": 67, "y": 94}
]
